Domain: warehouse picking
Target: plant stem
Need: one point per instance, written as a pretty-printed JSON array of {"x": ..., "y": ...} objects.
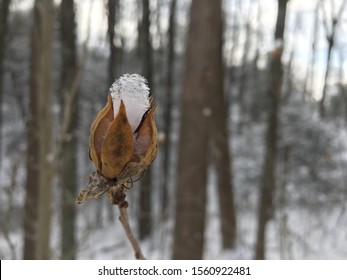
[
  {"x": 125, "y": 223},
  {"x": 117, "y": 196}
]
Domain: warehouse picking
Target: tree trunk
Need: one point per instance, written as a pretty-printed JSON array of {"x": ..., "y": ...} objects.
[
  {"x": 32, "y": 169},
  {"x": 43, "y": 21},
  {"x": 219, "y": 131},
  {"x": 68, "y": 161},
  {"x": 266, "y": 207},
  {"x": 330, "y": 36},
  {"x": 39, "y": 162},
  {"x": 145, "y": 218},
  {"x": 330, "y": 40},
  {"x": 168, "y": 108},
  {"x": 4, "y": 11},
  {"x": 310, "y": 75},
  {"x": 243, "y": 75},
  {"x": 199, "y": 82},
  {"x": 113, "y": 5}
]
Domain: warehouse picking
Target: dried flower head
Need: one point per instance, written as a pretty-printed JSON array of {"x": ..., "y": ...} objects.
[{"x": 123, "y": 137}]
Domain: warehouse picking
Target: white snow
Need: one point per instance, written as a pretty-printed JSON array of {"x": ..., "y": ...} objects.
[{"x": 133, "y": 90}]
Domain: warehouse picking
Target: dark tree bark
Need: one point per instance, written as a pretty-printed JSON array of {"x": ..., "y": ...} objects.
[
  {"x": 45, "y": 19},
  {"x": 113, "y": 6},
  {"x": 268, "y": 183},
  {"x": 68, "y": 161},
  {"x": 199, "y": 83},
  {"x": 32, "y": 180},
  {"x": 219, "y": 131},
  {"x": 168, "y": 107},
  {"x": 254, "y": 110},
  {"x": 39, "y": 166},
  {"x": 243, "y": 75},
  {"x": 4, "y": 11},
  {"x": 145, "y": 218}
]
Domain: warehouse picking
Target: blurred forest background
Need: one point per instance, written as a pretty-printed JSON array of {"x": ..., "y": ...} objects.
[{"x": 252, "y": 123}]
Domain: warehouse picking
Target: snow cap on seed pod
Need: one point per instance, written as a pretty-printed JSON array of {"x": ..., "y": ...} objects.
[
  {"x": 123, "y": 137},
  {"x": 134, "y": 92}
]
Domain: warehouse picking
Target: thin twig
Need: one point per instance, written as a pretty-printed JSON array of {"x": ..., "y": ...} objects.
[
  {"x": 125, "y": 223},
  {"x": 117, "y": 196}
]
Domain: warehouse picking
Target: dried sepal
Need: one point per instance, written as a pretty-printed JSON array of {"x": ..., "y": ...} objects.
[
  {"x": 96, "y": 187},
  {"x": 146, "y": 142},
  {"x": 117, "y": 147},
  {"x": 98, "y": 132},
  {"x": 145, "y": 148}
]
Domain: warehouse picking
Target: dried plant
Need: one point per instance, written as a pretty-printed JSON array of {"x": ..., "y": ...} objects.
[{"x": 122, "y": 144}]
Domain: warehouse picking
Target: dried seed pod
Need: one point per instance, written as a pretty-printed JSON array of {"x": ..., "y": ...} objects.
[{"x": 120, "y": 152}]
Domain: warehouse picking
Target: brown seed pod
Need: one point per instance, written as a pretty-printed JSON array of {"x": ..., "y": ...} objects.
[{"x": 115, "y": 149}]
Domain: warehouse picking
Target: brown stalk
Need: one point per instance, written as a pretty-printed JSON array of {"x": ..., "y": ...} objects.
[{"x": 117, "y": 196}]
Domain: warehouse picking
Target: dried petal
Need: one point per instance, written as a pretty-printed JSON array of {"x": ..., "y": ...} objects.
[
  {"x": 117, "y": 148},
  {"x": 98, "y": 132},
  {"x": 146, "y": 142},
  {"x": 145, "y": 148}
]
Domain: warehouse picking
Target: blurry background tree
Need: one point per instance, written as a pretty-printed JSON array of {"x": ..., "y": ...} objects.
[
  {"x": 167, "y": 118},
  {"x": 248, "y": 101},
  {"x": 4, "y": 10},
  {"x": 39, "y": 162},
  {"x": 204, "y": 117},
  {"x": 145, "y": 51},
  {"x": 192, "y": 158},
  {"x": 68, "y": 104},
  {"x": 113, "y": 8},
  {"x": 268, "y": 181}
]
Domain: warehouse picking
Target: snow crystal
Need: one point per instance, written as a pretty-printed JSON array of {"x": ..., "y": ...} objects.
[{"x": 133, "y": 90}]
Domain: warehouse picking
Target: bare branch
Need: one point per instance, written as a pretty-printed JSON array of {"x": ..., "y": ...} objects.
[
  {"x": 117, "y": 196},
  {"x": 125, "y": 223}
]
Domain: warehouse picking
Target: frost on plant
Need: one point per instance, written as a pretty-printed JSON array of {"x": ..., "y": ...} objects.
[{"x": 134, "y": 91}]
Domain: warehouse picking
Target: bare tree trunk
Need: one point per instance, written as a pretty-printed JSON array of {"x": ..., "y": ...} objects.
[
  {"x": 266, "y": 205},
  {"x": 342, "y": 87},
  {"x": 68, "y": 161},
  {"x": 199, "y": 82},
  {"x": 236, "y": 27},
  {"x": 43, "y": 20},
  {"x": 243, "y": 74},
  {"x": 330, "y": 36},
  {"x": 113, "y": 6},
  {"x": 283, "y": 232},
  {"x": 39, "y": 159},
  {"x": 311, "y": 69},
  {"x": 219, "y": 131},
  {"x": 254, "y": 109},
  {"x": 145, "y": 218},
  {"x": 32, "y": 169},
  {"x": 4, "y": 11},
  {"x": 330, "y": 40},
  {"x": 168, "y": 107}
]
